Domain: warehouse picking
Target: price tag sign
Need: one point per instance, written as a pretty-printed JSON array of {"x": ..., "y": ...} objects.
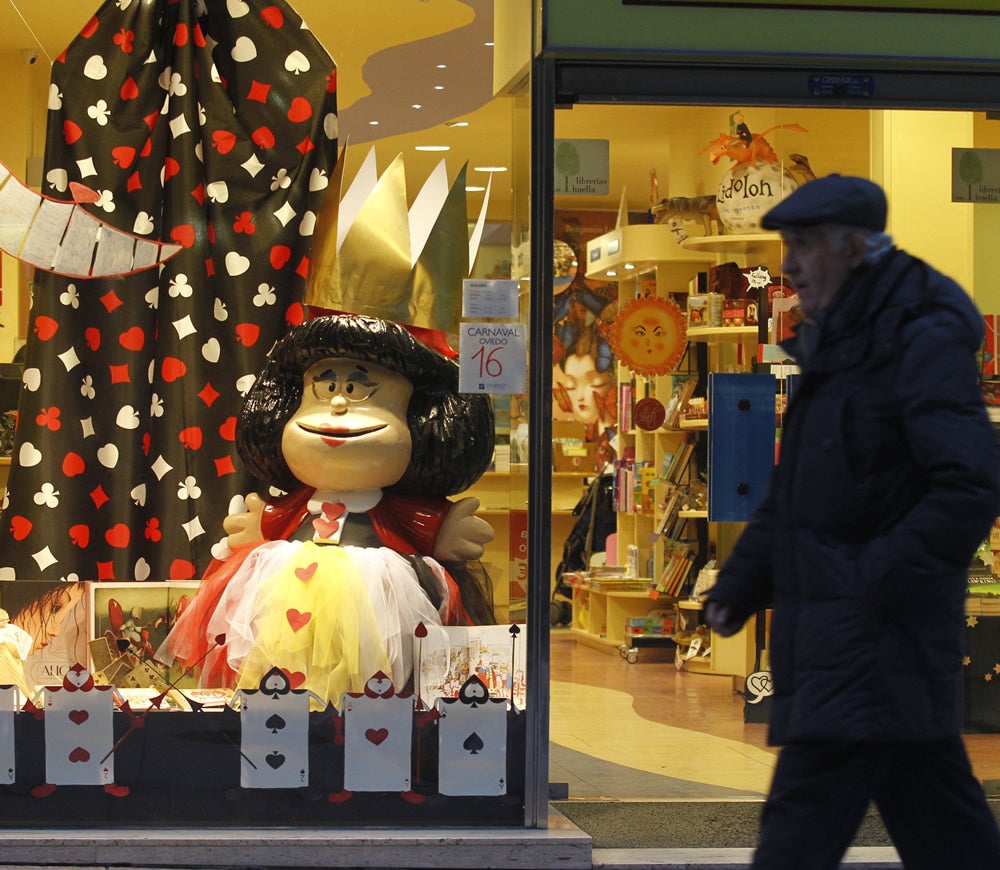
[
  {"x": 489, "y": 297},
  {"x": 493, "y": 358}
]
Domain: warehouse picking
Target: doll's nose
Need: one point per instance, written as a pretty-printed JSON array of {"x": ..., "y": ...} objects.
[{"x": 338, "y": 404}]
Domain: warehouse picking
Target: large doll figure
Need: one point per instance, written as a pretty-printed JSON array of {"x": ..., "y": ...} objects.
[{"x": 362, "y": 425}]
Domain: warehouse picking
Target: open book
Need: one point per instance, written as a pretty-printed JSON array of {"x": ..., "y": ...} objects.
[{"x": 444, "y": 656}]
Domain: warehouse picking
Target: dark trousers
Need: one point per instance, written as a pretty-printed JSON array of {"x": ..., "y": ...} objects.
[{"x": 931, "y": 803}]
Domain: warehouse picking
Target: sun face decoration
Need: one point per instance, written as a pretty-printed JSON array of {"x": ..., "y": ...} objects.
[{"x": 649, "y": 336}]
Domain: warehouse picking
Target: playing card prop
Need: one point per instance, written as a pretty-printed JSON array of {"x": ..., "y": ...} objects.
[
  {"x": 472, "y": 735},
  {"x": 8, "y": 706},
  {"x": 79, "y": 733},
  {"x": 446, "y": 656},
  {"x": 211, "y": 126},
  {"x": 61, "y": 237},
  {"x": 378, "y": 725},
  {"x": 274, "y": 737}
]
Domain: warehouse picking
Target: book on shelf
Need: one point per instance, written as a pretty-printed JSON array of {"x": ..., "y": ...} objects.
[
  {"x": 675, "y": 462},
  {"x": 677, "y": 562},
  {"x": 682, "y": 391}
]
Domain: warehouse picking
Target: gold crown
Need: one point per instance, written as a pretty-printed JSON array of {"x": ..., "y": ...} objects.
[{"x": 371, "y": 255}]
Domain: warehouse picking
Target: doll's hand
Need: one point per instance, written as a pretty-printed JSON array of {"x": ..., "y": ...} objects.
[
  {"x": 462, "y": 533},
  {"x": 244, "y": 528}
]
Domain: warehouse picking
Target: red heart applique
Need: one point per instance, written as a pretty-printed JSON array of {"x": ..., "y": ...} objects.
[
  {"x": 191, "y": 437},
  {"x": 132, "y": 339},
  {"x": 300, "y": 110},
  {"x": 78, "y": 717},
  {"x": 305, "y": 574},
  {"x": 295, "y": 678},
  {"x": 228, "y": 429},
  {"x": 79, "y": 755},
  {"x": 328, "y": 524},
  {"x": 118, "y": 535},
  {"x": 181, "y": 569},
  {"x": 71, "y": 132},
  {"x": 173, "y": 369},
  {"x": 92, "y": 336},
  {"x": 273, "y": 16},
  {"x": 20, "y": 527},
  {"x": 170, "y": 168},
  {"x": 80, "y": 535},
  {"x": 376, "y": 736},
  {"x": 280, "y": 255},
  {"x": 129, "y": 90},
  {"x": 45, "y": 327},
  {"x": 297, "y": 620},
  {"x": 73, "y": 464}
]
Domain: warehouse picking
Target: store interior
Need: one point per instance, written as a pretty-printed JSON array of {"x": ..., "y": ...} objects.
[{"x": 656, "y": 727}]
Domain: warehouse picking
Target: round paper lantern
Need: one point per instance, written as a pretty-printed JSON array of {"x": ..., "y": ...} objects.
[{"x": 747, "y": 192}]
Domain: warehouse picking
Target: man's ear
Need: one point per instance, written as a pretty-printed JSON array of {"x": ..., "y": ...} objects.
[{"x": 857, "y": 248}]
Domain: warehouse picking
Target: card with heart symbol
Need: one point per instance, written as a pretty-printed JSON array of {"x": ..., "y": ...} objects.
[
  {"x": 79, "y": 733},
  {"x": 472, "y": 742},
  {"x": 377, "y": 729},
  {"x": 8, "y": 706},
  {"x": 274, "y": 739}
]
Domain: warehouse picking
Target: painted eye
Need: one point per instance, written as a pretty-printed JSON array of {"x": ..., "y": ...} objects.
[
  {"x": 358, "y": 391},
  {"x": 324, "y": 386}
]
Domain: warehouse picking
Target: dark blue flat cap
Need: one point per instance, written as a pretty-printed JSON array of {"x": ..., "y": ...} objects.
[{"x": 833, "y": 199}]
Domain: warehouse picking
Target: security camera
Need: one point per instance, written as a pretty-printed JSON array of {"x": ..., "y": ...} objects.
[{"x": 30, "y": 56}]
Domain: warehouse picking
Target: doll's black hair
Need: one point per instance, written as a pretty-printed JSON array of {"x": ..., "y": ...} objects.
[{"x": 452, "y": 432}]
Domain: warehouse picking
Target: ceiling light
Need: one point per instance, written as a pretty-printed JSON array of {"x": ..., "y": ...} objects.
[
  {"x": 442, "y": 66},
  {"x": 456, "y": 123},
  {"x": 611, "y": 273},
  {"x": 416, "y": 106},
  {"x": 438, "y": 87},
  {"x": 432, "y": 148},
  {"x": 490, "y": 168},
  {"x": 373, "y": 123},
  {"x": 488, "y": 44},
  {"x": 474, "y": 189}
]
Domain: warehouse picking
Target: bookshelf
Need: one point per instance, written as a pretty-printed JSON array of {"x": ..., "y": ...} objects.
[{"x": 663, "y": 519}]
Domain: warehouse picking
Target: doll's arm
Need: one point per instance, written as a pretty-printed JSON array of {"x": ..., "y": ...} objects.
[
  {"x": 244, "y": 528},
  {"x": 462, "y": 535}
]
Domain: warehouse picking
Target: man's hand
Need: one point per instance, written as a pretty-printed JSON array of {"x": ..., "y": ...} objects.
[
  {"x": 244, "y": 528},
  {"x": 463, "y": 534},
  {"x": 720, "y": 619}
]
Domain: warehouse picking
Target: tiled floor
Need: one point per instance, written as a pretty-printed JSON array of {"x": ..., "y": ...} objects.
[{"x": 648, "y": 731}]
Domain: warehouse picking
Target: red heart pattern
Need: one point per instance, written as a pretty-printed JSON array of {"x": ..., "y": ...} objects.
[
  {"x": 297, "y": 620},
  {"x": 376, "y": 736},
  {"x": 122, "y": 383}
]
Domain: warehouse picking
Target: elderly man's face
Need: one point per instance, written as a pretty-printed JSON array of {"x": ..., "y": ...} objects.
[{"x": 817, "y": 262}]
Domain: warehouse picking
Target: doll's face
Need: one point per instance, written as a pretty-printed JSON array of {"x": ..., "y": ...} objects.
[{"x": 349, "y": 433}]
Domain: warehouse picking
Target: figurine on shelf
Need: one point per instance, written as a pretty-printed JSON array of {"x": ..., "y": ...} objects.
[
  {"x": 358, "y": 419},
  {"x": 756, "y": 180}
]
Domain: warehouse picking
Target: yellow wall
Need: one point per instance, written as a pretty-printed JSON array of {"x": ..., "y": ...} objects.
[{"x": 24, "y": 97}]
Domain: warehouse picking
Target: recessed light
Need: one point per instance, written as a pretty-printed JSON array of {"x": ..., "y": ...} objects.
[
  {"x": 456, "y": 123},
  {"x": 474, "y": 189},
  {"x": 438, "y": 87},
  {"x": 416, "y": 106},
  {"x": 373, "y": 123},
  {"x": 432, "y": 148},
  {"x": 629, "y": 267},
  {"x": 488, "y": 44},
  {"x": 490, "y": 168},
  {"x": 611, "y": 273},
  {"x": 442, "y": 66}
]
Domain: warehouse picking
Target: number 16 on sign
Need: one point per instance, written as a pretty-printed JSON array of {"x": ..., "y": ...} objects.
[{"x": 492, "y": 358}]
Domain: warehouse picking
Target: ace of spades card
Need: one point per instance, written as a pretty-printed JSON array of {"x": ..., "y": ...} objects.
[
  {"x": 79, "y": 731},
  {"x": 8, "y": 706},
  {"x": 377, "y": 731},
  {"x": 472, "y": 742},
  {"x": 274, "y": 734}
]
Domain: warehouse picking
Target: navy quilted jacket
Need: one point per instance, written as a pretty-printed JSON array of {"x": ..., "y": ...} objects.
[{"x": 888, "y": 481}]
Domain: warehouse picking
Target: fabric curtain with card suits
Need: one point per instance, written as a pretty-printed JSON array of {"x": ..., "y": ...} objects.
[{"x": 214, "y": 126}]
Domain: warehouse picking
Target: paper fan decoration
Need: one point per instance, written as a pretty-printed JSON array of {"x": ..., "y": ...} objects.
[{"x": 649, "y": 336}]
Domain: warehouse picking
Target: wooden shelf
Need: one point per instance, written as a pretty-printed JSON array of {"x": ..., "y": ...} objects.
[
  {"x": 693, "y": 515},
  {"x": 697, "y": 423},
  {"x": 747, "y": 243},
  {"x": 721, "y": 333},
  {"x": 642, "y": 247}
]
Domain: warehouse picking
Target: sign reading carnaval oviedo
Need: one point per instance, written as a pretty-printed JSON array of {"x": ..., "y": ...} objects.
[
  {"x": 493, "y": 358},
  {"x": 989, "y": 7}
]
